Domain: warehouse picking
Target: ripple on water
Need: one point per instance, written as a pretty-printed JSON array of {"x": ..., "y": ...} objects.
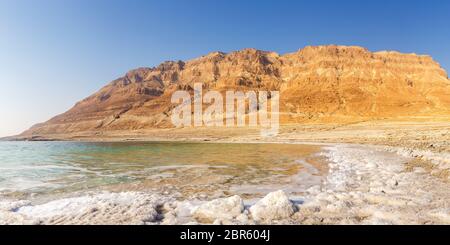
[{"x": 43, "y": 168}]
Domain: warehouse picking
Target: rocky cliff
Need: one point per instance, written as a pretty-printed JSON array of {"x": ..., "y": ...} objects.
[{"x": 317, "y": 84}]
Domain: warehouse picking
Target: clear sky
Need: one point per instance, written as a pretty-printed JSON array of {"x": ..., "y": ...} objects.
[{"x": 56, "y": 52}]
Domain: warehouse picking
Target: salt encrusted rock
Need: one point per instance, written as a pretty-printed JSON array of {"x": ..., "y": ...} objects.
[
  {"x": 103, "y": 208},
  {"x": 8, "y": 216},
  {"x": 274, "y": 206},
  {"x": 222, "y": 208}
]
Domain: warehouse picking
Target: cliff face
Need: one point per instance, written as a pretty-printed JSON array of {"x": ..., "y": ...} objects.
[{"x": 317, "y": 84}]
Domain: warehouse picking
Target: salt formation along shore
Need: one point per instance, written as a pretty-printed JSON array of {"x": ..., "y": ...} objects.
[{"x": 364, "y": 185}]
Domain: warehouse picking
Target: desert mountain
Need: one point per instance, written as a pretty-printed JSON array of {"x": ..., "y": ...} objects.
[{"x": 316, "y": 84}]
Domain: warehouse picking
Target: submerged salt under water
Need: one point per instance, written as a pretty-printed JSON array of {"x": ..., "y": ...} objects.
[{"x": 45, "y": 168}]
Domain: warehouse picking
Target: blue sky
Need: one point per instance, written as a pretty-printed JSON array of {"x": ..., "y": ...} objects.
[{"x": 56, "y": 52}]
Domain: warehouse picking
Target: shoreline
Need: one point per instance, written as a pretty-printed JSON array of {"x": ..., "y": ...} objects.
[
  {"x": 364, "y": 185},
  {"x": 391, "y": 173},
  {"x": 426, "y": 141}
]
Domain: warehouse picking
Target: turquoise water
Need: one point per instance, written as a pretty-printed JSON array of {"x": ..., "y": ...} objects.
[{"x": 35, "y": 168}]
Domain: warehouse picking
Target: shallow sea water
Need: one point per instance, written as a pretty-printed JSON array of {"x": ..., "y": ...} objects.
[{"x": 32, "y": 169}]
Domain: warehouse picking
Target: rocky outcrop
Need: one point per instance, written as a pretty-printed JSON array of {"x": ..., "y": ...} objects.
[
  {"x": 274, "y": 206},
  {"x": 317, "y": 84},
  {"x": 222, "y": 208}
]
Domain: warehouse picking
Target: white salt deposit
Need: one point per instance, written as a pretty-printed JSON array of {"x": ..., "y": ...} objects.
[
  {"x": 222, "y": 208},
  {"x": 103, "y": 208},
  {"x": 365, "y": 185},
  {"x": 274, "y": 206}
]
